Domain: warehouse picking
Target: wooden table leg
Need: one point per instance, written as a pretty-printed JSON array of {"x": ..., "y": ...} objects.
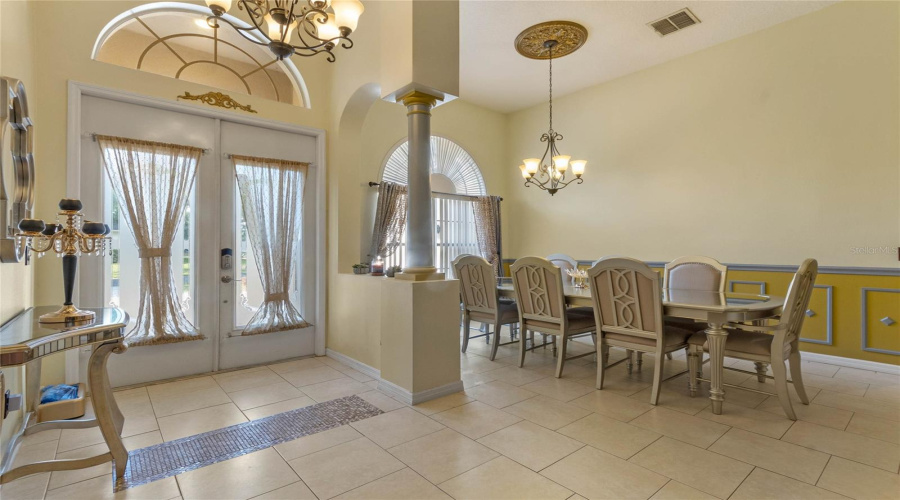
[
  {"x": 109, "y": 417},
  {"x": 715, "y": 337}
]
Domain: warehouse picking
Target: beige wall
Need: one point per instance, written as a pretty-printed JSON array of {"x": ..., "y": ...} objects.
[
  {"x": 16, "y": 280},
  {"x": 777, "y": 146}
]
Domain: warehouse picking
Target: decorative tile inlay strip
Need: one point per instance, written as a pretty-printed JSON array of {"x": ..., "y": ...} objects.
[{"x": 186, "y": 454}]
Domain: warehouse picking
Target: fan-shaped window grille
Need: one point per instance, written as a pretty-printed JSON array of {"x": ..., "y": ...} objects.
[
  {"x": 452, "y": 169},
  {"x": 175, "y": 40}
]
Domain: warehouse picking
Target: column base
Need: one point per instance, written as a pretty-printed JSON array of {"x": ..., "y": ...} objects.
[{"x": 420, "y": 276}]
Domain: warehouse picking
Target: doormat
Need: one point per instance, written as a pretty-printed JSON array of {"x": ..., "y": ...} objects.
[{"x": 186, "y": 454}]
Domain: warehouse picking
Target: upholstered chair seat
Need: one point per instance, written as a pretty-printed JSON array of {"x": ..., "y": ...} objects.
[
  {"x": 741, "y": 343},
  {"x": 509, "y": 313},
  {"x": 481, "y": 300}
]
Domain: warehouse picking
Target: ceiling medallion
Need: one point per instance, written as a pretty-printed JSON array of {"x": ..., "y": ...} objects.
[{"x": 568, "y": 35}]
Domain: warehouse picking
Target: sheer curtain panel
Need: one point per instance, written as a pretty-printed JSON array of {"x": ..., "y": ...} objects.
[
  {"x": 390, "y": 219},
  {"x": 272, "y": 197},
  {"x": 152, "y": 182},
  {"x": 487, "y": 229}
]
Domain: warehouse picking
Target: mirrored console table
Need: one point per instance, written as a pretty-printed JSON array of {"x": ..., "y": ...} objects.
[{"x": 25, "y": 341}]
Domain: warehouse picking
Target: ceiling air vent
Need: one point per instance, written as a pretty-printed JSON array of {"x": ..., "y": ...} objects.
[{"x": 676, "y": 21}]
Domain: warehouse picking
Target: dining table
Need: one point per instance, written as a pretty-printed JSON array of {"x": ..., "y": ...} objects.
[{"x": 716, "y": 309}]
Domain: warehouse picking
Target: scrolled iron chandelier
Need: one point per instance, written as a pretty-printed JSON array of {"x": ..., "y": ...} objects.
[
  {"x": 539, "y": 42},
  {"x": 320, "y": 25}
]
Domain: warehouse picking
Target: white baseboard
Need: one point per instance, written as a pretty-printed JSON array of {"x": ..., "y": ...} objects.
[
  {"x": 409, "y": 398},
  {"x": 352, "y": 363},
  {"x": 850, "y": 363}
]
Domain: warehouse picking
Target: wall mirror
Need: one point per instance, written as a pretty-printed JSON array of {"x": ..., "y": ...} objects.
[{"x": 16, "y": 166}]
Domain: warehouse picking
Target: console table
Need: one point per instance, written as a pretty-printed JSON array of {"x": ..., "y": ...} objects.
[{"x": 25, "y": 341}]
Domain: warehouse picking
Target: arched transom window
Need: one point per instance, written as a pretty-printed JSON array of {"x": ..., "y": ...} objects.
[
  {"x": 175, "y": 40},
  {"x": 452, "y": 169}
]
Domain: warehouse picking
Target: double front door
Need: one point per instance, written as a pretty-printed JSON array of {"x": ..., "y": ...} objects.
[{"x": 213, "y": 262}]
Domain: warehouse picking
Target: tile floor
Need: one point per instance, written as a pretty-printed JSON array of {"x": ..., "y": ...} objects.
[{"x": 514, "y": 433}]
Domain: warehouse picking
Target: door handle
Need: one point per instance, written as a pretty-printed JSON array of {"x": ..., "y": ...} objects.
[{"x": 226, "y": 279}]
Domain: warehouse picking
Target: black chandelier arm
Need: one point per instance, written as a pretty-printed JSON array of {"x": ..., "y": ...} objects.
[
  {"x": 577, "y": 180},
  {"x": 256, "y": 11}
]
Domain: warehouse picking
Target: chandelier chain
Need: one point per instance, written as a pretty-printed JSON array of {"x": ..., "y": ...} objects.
[{"x": 551, "y": 88}]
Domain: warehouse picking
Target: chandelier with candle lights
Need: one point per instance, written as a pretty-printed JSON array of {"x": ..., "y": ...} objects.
[
  {"x": 539, "y": 42},
  {"x": 319, "y": 25}
]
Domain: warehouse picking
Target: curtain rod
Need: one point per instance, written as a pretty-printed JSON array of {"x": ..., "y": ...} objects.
[
  {"x": 373, "y": 184},
  {"x": 94, "y": 135}
]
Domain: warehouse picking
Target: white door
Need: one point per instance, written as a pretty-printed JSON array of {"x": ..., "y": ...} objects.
[{"x": 211, "y": 223}]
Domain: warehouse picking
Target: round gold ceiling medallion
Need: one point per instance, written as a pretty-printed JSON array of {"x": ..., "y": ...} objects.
[{"x": 568, "y": 35}]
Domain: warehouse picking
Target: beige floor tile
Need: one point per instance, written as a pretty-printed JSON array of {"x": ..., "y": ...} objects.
[
  {"x": 571, "y": 371},
  {"x": 502, "y": 479},
  {"x": 135, "y": 424},
  {"x": 472, "y": 379},
  {"x": 874, "y": 427},
  {"x": 859, "y": 481},
  {"x": 381, "y": 401},
  {"x": 612, "y": 405},
  {"x": 310, "y": 376},
  {"x": 547, "y": 412},
  {"x": 598, "y": 475},
  {"x": 38, "y": 452},
  {"x": 610, "y": 435},
  {"x": 355, "y": 374},
  {"x": 443, "y": 455},
  {"x": 475, "y": 419},
  {"x": 443, "y": 403},
  {"x": 687, "y": 428},
  {"x": 372, "y": 385},
  {"x": 333, "y": 389},
  {"x": 396, "y": 427},
  {"x": 531, "y": 445},
  {"x": 401, "y": 485},
  {"x": 41, "y": 437},
  {"x": 816, "y": 414},
  {"x": 63, "y": 478},
  {"x": 199, "y": 421},
  {"x": 709, "y": 472},
  {"x": 299, "y": 364},
  {"x": 868, "y": 377},
  {"x": 816, "y": 368},
  {"x": 870, "y": 406},
  {"x": 265, "y": 395},
  {"x": 472, "y": 363},
  {"x": 885, "y": 392},
  {"x": 344, "y": 467},
  {"x": 835, "y": 384},
  {"x": 618, "y": 382},
  {"x": 760, "y": 422},
  {"x": 307, "y": 445},
  {"x": 247, "y": 379},
  {"x": 101, "y": 488},
  {"x": 676, "y": 395},
  {"x": 517, "y": 376},
  {"x": 562, "y": 390},
  {"x": 764, "y": 485},
  {"x": 26, "y": 488},
  {"x": 179, "y": 387},
  {"x": 862, "y": 449},
  {"x": 784, "y": 458},
  {"x": 181, "y": 402},
  {"x": 279, "y": 407},
  {"x": 673, "y": 490},
  {"x": 294, "y": 491},
  {"x": 499, "y": 394},
  {"x": 243, "y": 477}
]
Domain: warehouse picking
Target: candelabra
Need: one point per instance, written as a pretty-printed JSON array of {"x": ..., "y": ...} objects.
[{"x": 68, "y": 240}]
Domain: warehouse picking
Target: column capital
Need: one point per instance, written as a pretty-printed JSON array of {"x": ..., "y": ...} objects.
[{"x": 418, "y": 97}]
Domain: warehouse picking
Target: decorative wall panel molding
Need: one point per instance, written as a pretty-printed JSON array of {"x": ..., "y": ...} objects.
[
  {"x": 829, "y": 317},
  {"x": 762, "y": 285},
  {"x": 864, "y": 312}
]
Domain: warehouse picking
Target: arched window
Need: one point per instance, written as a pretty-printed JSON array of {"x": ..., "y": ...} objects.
[
  {"x": 453, "y": 170},
  {"x": 175, "y": 40}
]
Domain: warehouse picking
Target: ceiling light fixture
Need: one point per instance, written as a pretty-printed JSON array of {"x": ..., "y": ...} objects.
[
  {"x": 546, "y": 41},
  {"x": 319, "y": 24}
]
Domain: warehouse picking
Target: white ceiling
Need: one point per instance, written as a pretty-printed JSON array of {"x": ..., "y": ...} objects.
[{"x": 494, "y": 75}]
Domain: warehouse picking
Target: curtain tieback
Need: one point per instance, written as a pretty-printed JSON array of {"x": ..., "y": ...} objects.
[
  {"x": 272, "y": 297},
  {"x": 149, "y": 253}
]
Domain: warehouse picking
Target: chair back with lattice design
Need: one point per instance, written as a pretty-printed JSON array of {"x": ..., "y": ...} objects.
[
  {"x": 797, "y": 301},
  {"x": 627, "y": 297},
  {"x": 695, "y": 273},
  {"x": 477, "y": 284},
  {"x": 539, "y": 292}
]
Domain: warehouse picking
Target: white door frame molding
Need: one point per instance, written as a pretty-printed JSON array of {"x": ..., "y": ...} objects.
[{"x": 77, "y": 90}]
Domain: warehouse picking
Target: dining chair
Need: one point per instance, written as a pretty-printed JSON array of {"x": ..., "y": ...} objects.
[
  {"x": 773, "y": 344},
  {"x": 565, "y": 263},
  {"x": 478, "y": 289},
  {"x": 628, "y": 312},
  {"x": 542, "y": 308}
]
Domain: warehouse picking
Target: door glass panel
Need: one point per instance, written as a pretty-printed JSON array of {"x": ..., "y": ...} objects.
[{"x": 123, "y": 267}]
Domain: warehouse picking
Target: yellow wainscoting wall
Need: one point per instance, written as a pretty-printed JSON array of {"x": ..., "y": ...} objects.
[{"x": 839, "y": 304}]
